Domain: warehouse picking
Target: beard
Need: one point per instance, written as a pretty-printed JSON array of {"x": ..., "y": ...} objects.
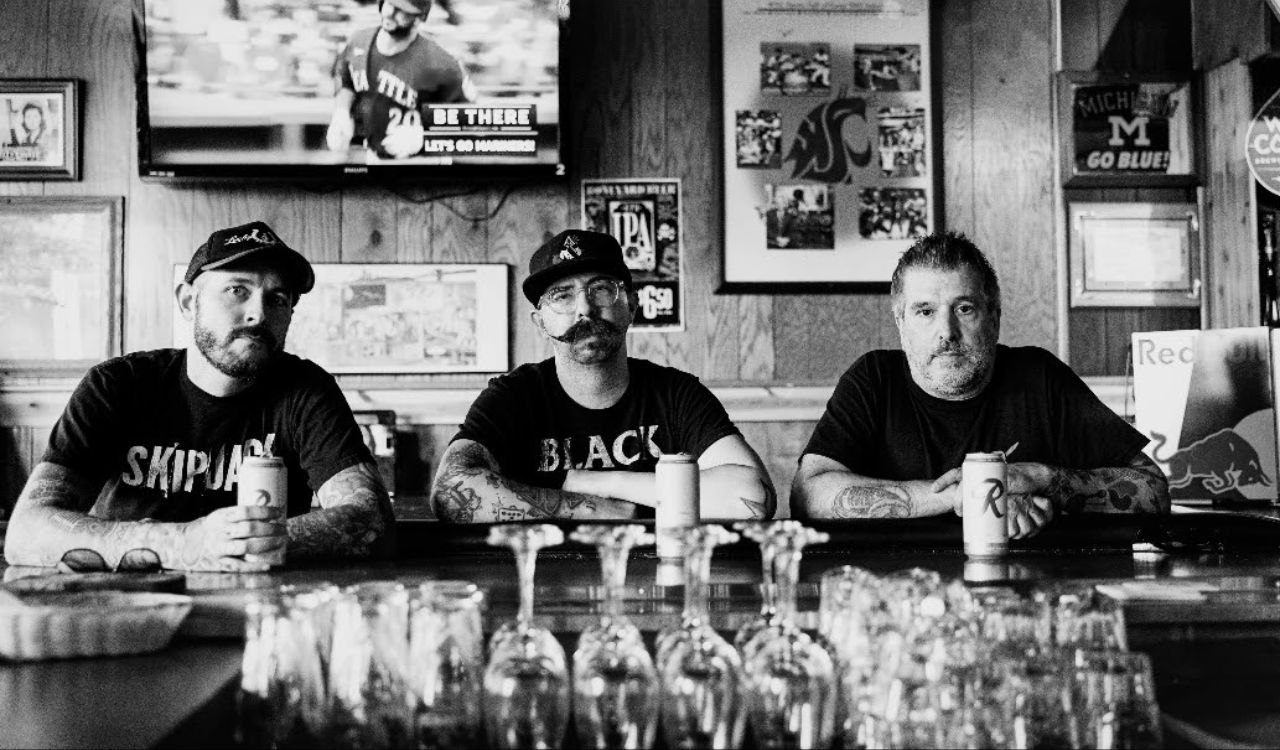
[
  {"x": 955, "y": 370},
  {"x": 243, "y": 363},
  {"x": 592, "y": 340},
  {"x": 397, "y": 31}
]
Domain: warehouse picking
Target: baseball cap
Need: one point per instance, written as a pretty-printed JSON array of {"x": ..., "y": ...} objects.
[
  {"x": 227, "y": 246},
  {"x": 420, "y": 7},
  {"x": 573, "y": 251}
]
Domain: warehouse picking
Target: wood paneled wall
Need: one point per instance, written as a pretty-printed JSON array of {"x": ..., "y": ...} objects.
[
  {"x": 1135, "y": 36},
  {"x": 645, "y": 104}
]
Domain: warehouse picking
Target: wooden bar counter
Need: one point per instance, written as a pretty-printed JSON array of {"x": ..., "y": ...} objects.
[{"x": 1200, "y": 592}]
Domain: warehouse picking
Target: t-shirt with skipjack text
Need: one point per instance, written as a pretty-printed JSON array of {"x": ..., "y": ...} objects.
[
  {"x": 165, "y": 449},
  {"x": 880, "y": 424},
  {"x": 536, "y": 432}
]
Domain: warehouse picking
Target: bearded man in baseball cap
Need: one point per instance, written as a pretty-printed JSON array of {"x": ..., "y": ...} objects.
[
  {"x": 578, "y": 435},
  {"x": 143, "y": 468}
]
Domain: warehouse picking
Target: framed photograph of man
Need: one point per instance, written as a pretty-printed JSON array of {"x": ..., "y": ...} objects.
[{"x": 39, "y": 129}]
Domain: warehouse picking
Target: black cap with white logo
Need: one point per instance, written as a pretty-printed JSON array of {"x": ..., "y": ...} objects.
[
  {"x": 227, "y": 246},
  {"x": 574, "y": 251}
]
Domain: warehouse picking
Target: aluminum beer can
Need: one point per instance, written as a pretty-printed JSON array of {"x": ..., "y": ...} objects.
[
  {"x": 264, "y": 480},
  {"x": 676, "y": 478},
  {"x": 985, "y": 505}
]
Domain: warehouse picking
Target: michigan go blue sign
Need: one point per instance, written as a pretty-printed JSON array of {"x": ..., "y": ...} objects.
[{"x": 1262, "y": 144}]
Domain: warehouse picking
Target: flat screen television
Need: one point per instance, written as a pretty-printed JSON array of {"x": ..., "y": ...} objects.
[{"x": 246, "y": 89}]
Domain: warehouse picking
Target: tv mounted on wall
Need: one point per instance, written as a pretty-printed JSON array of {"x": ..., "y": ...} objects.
[{"x": 246, "y": 89}]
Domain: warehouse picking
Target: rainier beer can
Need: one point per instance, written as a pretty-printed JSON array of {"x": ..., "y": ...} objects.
[
  {"x": 264, "y": 481},
  {"x": 677, "y": 486},
  {"x": 985, "y": 506}
]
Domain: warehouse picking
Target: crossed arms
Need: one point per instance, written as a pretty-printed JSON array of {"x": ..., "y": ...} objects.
[
  {"x": 469, "y": 488},
  {"x": 354, "y": 519},
  {"x": 825, "y": 488}
]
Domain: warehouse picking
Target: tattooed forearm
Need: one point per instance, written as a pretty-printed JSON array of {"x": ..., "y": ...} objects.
[
  {"x": 355, "y": 518},
  {"x": 469, "y": 489},
  {"x": 872, "y": 502},
  {"x": 48, "y": 525},
  {"x": 1138, "y": 488}
]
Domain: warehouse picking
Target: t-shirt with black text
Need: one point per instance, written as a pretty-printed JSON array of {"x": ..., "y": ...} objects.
[{"x": 165, "y": 449}]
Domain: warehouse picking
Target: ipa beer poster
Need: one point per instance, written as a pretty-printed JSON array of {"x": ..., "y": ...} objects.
[
  {"x": 828, "y": 138},
  {"x": 643, "y": 215}
]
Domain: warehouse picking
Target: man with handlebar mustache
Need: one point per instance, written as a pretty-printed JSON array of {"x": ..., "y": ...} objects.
[
  {"x": 899, "y": 423},
  {"x": 142, "y": 469},
  {"x": 578, "y": 435}
]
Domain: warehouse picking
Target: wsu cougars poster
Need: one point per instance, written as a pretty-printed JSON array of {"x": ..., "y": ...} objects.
[
  {"x": 1205, "y": 400},
  {"x": 828, "y": 138},
  {"x": 643, "y": 215}
]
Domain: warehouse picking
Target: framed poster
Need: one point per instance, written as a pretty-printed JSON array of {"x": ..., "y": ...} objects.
[
  {"x": 1125, "y": 130},
  {"x": 60, "y": 282},
  {"x": 40, "y": 139},
  {"x": 828, "y": 142},
  {"x": 1134, "y": 254},
  {"x": 397, "y": 318},
  {"x": 643, "y": 215}
]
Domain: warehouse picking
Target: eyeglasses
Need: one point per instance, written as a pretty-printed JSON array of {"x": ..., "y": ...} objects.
[{"x": 600, "y": 293}]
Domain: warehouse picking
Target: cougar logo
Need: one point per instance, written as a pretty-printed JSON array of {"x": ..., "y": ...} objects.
[
  {"x": 264, "y": 238},
  {"x": 570, "y": 250},
  {"x": 1223, "y": 461},
  {"x": 819, "y": 151}
]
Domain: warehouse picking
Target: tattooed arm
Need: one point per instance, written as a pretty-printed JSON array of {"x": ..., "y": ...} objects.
[
  {"x": 825, "y": 488},
  {"x": 733, "y": 483},
  {"x": 46, "y": 525},
  {"x": 354, "y": 519},
  {"x": 469, "y": 489},
  {"x": 1140, "y": 487}
]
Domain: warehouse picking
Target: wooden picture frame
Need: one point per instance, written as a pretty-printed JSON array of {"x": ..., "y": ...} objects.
[
  {"x": 60, "y": 305},
  {"x": 398, "y": 318},
  {"x": 1134, "y": 255},
  {"x": 829, "y": 160},
  {"x": 1126, "y": 130},
  {"x": 39, "y": 129}
]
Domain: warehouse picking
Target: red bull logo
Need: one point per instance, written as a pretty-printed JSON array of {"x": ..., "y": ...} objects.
[{"x": 1220, "y": 463}]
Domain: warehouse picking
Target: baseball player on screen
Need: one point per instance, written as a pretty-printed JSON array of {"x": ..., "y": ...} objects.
[{"x": 386, "y": 75}]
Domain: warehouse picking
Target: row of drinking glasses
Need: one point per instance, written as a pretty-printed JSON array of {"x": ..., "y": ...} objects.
[
  {"x": 900, "y": 660},
  {"x": 928, "y": 663}
]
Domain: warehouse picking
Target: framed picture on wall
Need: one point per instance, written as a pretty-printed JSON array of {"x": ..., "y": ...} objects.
[
  {"x": 60, "y": 282},
  {"x": 827, "y": 143},
  {"x": 39, "y": 129},
  {"x": 398, "y": 318},
  {"x": 1134, "y": 254},
  {"x": 1125, "y": 130}
]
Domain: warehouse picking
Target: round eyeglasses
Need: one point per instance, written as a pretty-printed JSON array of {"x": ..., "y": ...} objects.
[{"x": 600, "y": 293}]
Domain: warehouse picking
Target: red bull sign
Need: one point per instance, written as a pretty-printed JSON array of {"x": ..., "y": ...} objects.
[{"x": 1205, "y": 400}]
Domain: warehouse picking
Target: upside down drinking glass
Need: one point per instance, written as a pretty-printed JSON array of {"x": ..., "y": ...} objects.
[
  {"x": 526, "y": 683},
  {"x": 615, "y": 685}
]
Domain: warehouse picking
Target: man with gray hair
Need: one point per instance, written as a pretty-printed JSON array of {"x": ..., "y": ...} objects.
[{"x": 899, "y": 423}]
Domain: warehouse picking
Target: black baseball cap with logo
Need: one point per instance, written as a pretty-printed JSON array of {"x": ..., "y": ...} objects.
[
  {"x": 570, "y": 252},
  {"x": 255, "y": 240}
]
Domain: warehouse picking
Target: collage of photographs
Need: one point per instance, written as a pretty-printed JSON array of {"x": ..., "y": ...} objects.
[{"x": 800, "y": 213}]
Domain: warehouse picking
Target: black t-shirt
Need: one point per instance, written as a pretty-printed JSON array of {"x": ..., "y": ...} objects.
[
  {"x": 167, "y": 450},
  {"x": 536, "y": 432},
  {"x": 880, "y": 424}
]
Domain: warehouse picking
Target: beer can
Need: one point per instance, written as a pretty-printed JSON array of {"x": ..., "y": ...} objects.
[
  {"x": 676, "y": 477},
  {"x": 984, "y": 504},
  {"x": 264, "y": 480}
]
